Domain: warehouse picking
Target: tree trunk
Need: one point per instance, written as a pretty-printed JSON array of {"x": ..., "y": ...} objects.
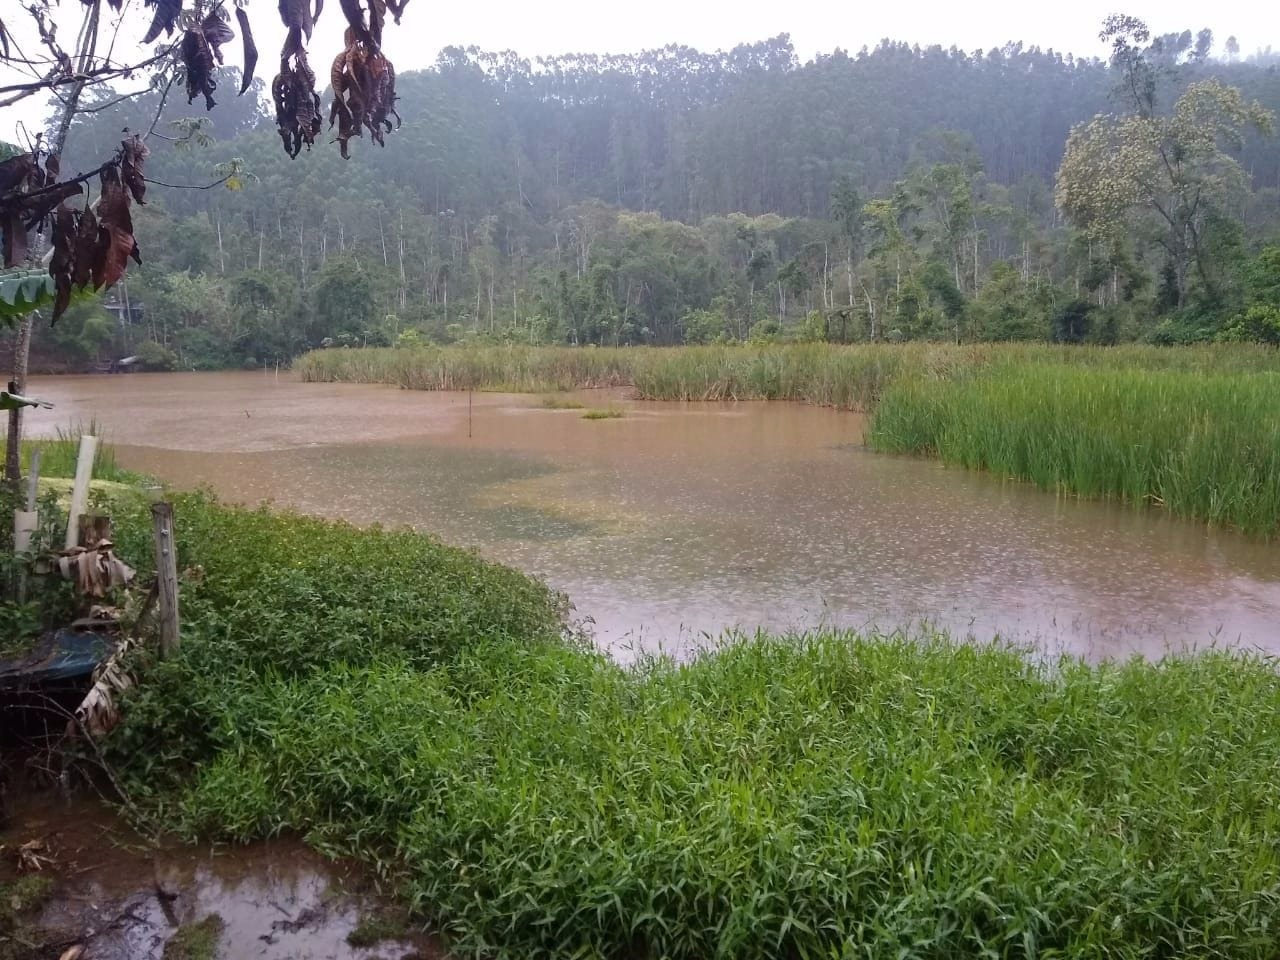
[
  {"x": 21, "y": 353},
  {"x": 222, "y": 262},
  {"x": 22, "y": 343},
  {"x": 849, "y": 268}
]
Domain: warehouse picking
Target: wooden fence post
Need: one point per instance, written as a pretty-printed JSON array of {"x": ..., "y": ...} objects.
[{"x": 166, "y": 576}]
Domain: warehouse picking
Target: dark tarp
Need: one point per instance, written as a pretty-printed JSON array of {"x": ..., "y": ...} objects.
[{"x": 62, "y": 655}]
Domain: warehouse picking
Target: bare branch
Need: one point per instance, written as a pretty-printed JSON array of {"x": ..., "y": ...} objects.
[
  {"x": 164, "y": 98},
  {"x": 190, "y": 186},
  {"x": 111, "y": 103}
]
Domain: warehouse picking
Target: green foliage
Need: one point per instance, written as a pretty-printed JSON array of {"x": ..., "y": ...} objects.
[
  {"x": 344, "y": 302},
  {"x": 723, "y": 208},
  {"x": 1259, "y": 324},
  {"x": 1072, "y": 322},
  {"x": 1203, "y": 445},
  {"x": 153, "y": 356},
  {"x": 22, "y": 291},
  {"x": 81, "y": 333},
  {"x": 408, "y": 339},
  {"x": 765, "y": 331},
  {"x": 195, "y": 940},
  {"x": 824, "y": 795},
  {"x": 286, "y": 595},
  {"x": 603, "y": 413},
  {"x": 1008, "y": 309}
]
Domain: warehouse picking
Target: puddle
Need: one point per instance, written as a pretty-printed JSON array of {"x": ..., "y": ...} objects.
[{"x": 124, "y": 899}]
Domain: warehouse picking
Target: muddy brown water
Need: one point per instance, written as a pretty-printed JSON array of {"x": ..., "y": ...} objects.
[
  {"x": 679, "y": 520},
  {"x": 123, "y": 898}
]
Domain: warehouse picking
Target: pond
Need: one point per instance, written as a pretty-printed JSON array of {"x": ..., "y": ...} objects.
[{"x": 675, "y": 521}]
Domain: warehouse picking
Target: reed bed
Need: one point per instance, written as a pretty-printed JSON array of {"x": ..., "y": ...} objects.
[
  {"x": 848, "y": 377},
  {"x": 823, "y": 795},
  {"x": 1200, "y": 445},
  {"x": 500, "y": 369}
]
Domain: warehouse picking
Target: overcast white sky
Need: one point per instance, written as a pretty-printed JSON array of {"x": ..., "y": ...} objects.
[{"x": 561, "y": 26}]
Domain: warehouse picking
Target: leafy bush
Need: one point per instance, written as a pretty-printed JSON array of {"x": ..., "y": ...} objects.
[
  {"x": 1259, "y": 324},
  {"x": 154, "y": 356},
  {"x": 270, "y": 594}
]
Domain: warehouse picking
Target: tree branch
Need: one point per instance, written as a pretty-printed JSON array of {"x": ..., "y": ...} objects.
[
  {"x": 164, "y": 98},
  {"x": 190, "y": 186},
  {"x": 97, "y": 75}
]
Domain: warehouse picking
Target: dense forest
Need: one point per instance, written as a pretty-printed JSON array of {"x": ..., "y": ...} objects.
[{"x": 677, "y": 196}]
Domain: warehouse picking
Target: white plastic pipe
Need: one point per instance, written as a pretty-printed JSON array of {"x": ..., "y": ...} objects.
[
  {"x": 80, "y": 490},
  {"x": 24, "y": 528}
]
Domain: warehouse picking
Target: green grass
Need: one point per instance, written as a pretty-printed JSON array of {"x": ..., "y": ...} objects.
[
  {"x": 504, "y": 369},
  {"x": 559, "y": 403},
  {"x": 825, "y": 795},
  {"x": 848, "y": 377},
  {"x": 374, "y": 928},
  {"x": 58, "y": 455},
  {"x": 603, "y": 413},
  {"x": 288, "y": 595},
  {"x": 197, "y": 940},
  {"x": 1201, "y": 445}
]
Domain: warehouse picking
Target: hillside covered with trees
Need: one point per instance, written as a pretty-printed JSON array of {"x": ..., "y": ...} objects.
[{"x": 676, "y": 196}]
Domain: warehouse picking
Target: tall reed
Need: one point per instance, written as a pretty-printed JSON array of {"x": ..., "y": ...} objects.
[
  {"x": 1201, "y": 445},
  {"x": 848, "y": 377}
]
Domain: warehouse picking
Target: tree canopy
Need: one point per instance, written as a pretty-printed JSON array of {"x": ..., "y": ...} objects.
[{"x": 679, "y": 195}]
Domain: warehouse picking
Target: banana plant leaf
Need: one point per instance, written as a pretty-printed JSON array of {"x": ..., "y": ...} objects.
[
  {"x": 22, "y": 291},
  {"x": 12, "y": 401}
]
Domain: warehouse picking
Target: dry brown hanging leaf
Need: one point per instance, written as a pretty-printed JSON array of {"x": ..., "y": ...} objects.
[
  {"x": 132, "y": 154},
  {"x": 115, "y": 232},
  {"x": 86, "y": 248},
  {"x": 63, "y": 260},
  {"x": 250, "y": 50},
  {"x": 297, "y": 104},
  {"x": 165, "y": 19},
  {"x": 377, "y": 15},
  {"x": 15, "y": 172},
  {"x": 216, "y": 33},
  {"x": 296, "y": 15},
  {"x": 364, "y": 91},
  {"x": 197, "y": 59},
  {"x": 354, "y": 13}
]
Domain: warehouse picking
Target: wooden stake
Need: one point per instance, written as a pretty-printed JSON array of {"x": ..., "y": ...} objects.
[
  {"x": 94, "y": 527},
  {"x": 166, "y": 576}
]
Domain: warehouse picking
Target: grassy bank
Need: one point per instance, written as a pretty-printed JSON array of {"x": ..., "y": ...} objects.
[
  {"x": 58, "y": 455},
  {"x": 830, "y": 795}
]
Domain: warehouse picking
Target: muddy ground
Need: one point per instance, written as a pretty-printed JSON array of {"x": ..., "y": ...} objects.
[{"x": 119, "y": 896}]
